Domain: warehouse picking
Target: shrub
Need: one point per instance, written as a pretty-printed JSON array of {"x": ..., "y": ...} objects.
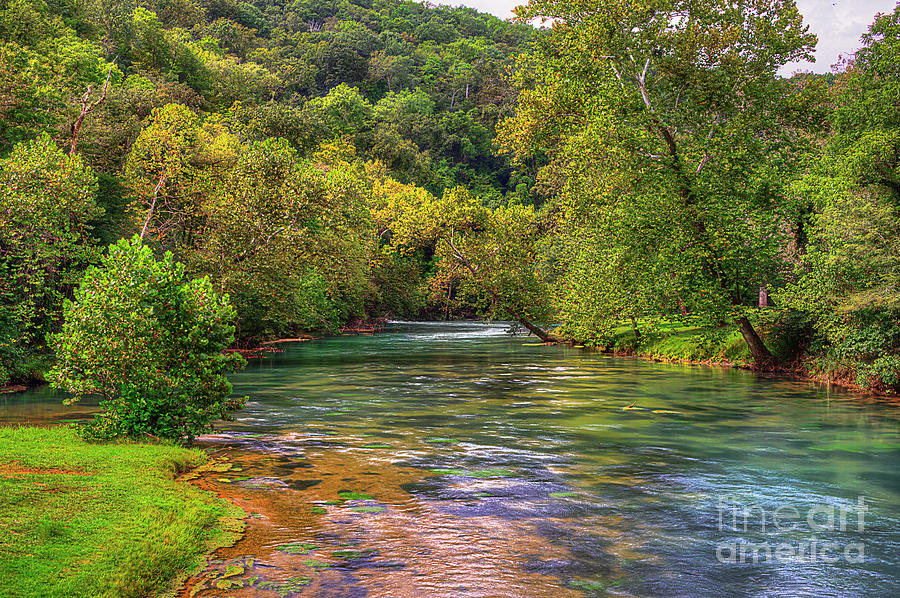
[{"x": 150, "y": 344}]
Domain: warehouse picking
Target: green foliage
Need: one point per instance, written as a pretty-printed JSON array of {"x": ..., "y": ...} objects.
[
  {"x": 199, "y": 90},
  {"x": 328, "y": 161},
  {"x": 399, "y": 283},
  {"x": 486, "y": 259},
  {"x": 288, "y": 242},
  {"x": 46, "y": 204},
  {"x": 847, "y": 283},
  {"x": 150, "y": 344},
  {"x": 161, "y": 169},
  {"x": 343, "y": 110},
  {"x": 669, "y": 188},
  {"x": 86, "y": 519}
]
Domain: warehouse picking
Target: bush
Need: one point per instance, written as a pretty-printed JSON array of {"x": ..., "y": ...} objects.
[{"x": 150, "y": 344}]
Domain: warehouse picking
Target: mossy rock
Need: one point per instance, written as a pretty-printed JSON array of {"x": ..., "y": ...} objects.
[
  {"x": 217, "y": 467},
  {"x": 316, "y": 564},
  {"x": 348, "y": 495},
  {"x": 286, "y": 587},
  {"x": 297, "y": 548}
]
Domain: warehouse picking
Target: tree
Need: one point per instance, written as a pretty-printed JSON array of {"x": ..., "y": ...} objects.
[
  {"x": 848, "y": 282},
  {"x": 169, "y": 170},
  {"x": 46, "y": 206},
  {"x": 393, "y": 70},
  {"x": 150, "y": 344},
  {"x": 264, "y": 224},
  {"x": 492, "y": 256},
  {"x": 486, "y": 258},
  {"x": 344, "y": 109},
  {"x": 670, "y": 114}
]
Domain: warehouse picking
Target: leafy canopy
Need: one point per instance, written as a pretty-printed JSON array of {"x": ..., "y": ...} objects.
[
  {"x": 46, "y": 207},
  {"x": 669, "y": 133}
]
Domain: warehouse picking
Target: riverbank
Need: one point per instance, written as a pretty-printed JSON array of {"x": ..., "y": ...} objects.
[
  {"x": 80, "y": 519},
  {"x": 674, "y": 342}
]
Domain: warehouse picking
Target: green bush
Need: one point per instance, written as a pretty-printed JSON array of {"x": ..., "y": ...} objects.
[{"x": 150, "y": 344}]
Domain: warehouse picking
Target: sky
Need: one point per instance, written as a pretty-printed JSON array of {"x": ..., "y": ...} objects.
[{"x": 837, "y": 23}]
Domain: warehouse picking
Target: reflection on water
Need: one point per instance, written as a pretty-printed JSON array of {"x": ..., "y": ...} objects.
[{"x": 458, "y": 460}]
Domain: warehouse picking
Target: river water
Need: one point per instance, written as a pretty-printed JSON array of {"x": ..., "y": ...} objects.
[{"x": 440, "y": 459}]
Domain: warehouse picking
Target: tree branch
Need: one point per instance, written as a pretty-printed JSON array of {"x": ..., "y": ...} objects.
[
  {"x": 162, "y": 179},
  {"x": 88, "y": 107}
]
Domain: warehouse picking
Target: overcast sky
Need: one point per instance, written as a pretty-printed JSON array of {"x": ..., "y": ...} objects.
[{"x": 838, "y": 23}]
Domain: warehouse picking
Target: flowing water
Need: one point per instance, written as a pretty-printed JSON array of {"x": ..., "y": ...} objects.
[{"x": 460, "y": 460}]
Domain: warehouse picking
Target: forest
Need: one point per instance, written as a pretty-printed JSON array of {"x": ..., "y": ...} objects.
[{"x": 182, "y": 177}]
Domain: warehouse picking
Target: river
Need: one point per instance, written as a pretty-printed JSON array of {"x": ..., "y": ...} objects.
[{"x": 438, "y": 459}]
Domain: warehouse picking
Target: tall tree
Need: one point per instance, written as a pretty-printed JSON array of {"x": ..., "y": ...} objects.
[
  {"x": 848, "y": 281},
  {"x": 670, "y": 114},
  {"x": 46, "y": 207}
]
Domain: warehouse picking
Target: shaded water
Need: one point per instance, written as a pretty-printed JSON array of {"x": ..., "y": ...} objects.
[{"x": 481, "y": 464}]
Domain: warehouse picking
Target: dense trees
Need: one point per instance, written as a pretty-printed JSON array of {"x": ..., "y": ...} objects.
[
  {"x": 46, "y": 208},
  {"x": 847, "y": 281},
  {"x": 486, "y": 258},
  {"x": 211, "y": 55}
]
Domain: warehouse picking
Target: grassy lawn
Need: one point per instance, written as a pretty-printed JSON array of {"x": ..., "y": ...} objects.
[
  {"x": 80, "y": 519},
  {"x": 675, "y": 341}
]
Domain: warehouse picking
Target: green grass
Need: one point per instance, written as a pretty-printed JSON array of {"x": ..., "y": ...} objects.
[
  {"x": 677, "y": 342},
  {"x": 80, "y": 519}
]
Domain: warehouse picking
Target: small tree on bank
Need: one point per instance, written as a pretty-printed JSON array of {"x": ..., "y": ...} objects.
[{"x": 150, "y": 344}]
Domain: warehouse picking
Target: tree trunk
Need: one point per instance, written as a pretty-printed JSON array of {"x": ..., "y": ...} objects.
[
  {"x": 537, "y": 331},
  {"x": 758, "y": 350},
  {"x": 159, "y": 184},
  {"x": 87, "y": 107},
  {"x": 634, "y": 327},
  {"x": 449, "y": 294}
]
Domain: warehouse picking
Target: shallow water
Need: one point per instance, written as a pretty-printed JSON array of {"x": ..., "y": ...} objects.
[{"x": 482, "y": 464}]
